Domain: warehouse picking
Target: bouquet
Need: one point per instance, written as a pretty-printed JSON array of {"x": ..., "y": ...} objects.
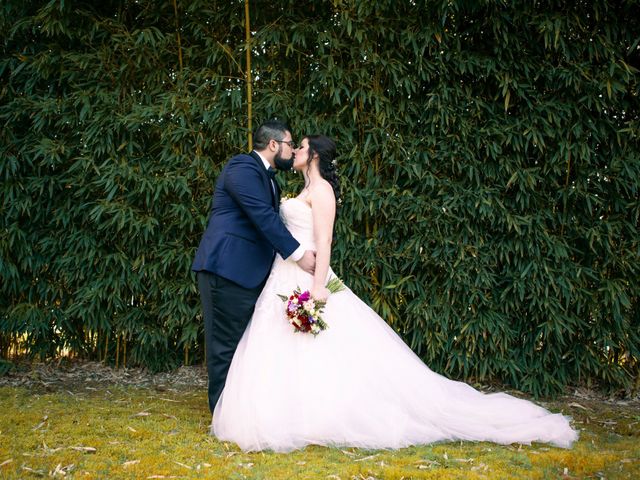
[{"x": 303, "y": 312}]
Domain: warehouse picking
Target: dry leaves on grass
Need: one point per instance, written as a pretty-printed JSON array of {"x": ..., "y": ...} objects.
[{"x": 72, "y": 376}]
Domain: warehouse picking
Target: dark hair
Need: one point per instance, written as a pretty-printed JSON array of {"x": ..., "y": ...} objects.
[
  {"x": 269, "y": 130},
  {"x": 326, "y": 150}
]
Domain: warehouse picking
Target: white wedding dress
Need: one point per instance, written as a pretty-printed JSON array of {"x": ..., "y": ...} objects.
[{"x": 355, "y": 384}]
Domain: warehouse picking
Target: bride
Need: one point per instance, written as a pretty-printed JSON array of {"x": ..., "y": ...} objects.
[{"x": 357, "y": 383}]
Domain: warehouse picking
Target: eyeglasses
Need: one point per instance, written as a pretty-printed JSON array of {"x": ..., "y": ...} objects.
[{"x": 291, "y": 143}]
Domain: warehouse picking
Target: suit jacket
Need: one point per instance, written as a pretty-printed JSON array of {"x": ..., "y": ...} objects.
[{"x": 244, "y": 229}]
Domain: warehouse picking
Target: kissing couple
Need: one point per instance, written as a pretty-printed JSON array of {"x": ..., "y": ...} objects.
[{"x": 356, "y": 384}]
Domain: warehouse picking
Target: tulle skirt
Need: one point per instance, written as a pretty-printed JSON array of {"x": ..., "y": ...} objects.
[{"x": 356, "y": 384}]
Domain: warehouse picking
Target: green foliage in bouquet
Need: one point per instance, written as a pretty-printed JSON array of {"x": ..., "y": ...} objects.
[{"x": 489, "y": 159}]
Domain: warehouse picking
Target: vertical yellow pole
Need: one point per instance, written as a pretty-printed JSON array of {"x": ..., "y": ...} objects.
[{"x": 247, "y": 30}]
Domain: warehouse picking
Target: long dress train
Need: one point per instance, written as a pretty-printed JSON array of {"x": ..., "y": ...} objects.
[{"x": 355, "y": 384}]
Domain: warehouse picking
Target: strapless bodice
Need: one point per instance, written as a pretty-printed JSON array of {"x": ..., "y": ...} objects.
[{"x": 296, "y": 215}]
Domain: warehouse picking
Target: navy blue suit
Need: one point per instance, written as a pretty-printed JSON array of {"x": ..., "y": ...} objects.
[{"x": 234, "y": 258}]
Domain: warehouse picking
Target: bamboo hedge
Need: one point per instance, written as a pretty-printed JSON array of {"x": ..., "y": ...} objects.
[{"x": 489, "y": 156}]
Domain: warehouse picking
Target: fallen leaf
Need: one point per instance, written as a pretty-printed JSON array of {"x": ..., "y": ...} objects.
[
  {"x": 41, "y": 424},
  {"x": 141, "y": 414},
  {"x": 608, "y": 422},
  {"x": 37, "y": 472},
  {"x": 48, "y": 450},
  {"x": 6, "y": 462},
  {"x": 366, "y": 458},
  {"x": 130, "y": 462},
  {"x": 84, "y": 449},
  {"x": 60, "y": 470},
  {"x": 577, "y": 405},
  {"x": 482, "y": 466},
  {"x": 182, "y": 464}
]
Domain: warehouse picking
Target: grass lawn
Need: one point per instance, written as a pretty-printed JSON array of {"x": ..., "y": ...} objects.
[{"x": 101, "y": 430}]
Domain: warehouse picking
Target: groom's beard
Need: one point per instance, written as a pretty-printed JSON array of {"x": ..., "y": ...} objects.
[{"x": 281, "y": 163}]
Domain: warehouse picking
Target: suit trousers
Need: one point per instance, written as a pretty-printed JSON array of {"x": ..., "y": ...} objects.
[{"x": 226, "y": 308}]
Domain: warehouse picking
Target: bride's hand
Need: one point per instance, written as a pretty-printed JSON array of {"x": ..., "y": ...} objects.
[{"x": 320, "y": 293}]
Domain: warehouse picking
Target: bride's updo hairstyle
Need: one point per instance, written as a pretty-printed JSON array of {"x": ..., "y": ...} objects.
[{"x": 326, "y": 150}]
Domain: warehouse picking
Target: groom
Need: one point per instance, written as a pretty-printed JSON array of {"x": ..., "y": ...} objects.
[{"x": 239, "y": 245}]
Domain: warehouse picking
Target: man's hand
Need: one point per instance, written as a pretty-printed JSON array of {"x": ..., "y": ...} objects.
[{"x": 308, "y": 261}]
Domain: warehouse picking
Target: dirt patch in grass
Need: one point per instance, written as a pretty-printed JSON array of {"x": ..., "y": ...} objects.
[{"x": 74, "y": 375}]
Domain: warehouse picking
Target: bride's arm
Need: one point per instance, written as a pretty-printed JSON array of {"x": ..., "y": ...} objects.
[{"x": 323, "y": 203}]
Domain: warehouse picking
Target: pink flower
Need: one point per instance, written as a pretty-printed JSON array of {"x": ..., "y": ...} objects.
[{"x": 304, "y": 296}]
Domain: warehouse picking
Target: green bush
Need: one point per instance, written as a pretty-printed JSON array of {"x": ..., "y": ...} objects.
[{"x": 489, "y": 160}]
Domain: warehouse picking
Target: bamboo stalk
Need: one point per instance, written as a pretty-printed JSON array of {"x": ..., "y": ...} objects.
[
  {"x": 124, "y": 352},
  {"x": 175, "y": 9},
  {"x": 566, "y": 185},
  {"x": 106, "y": 348},
  {"x": 247, "y": 32},
  {"x": 117, "y": 350},
  {"x": 186, "y": 355}
]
